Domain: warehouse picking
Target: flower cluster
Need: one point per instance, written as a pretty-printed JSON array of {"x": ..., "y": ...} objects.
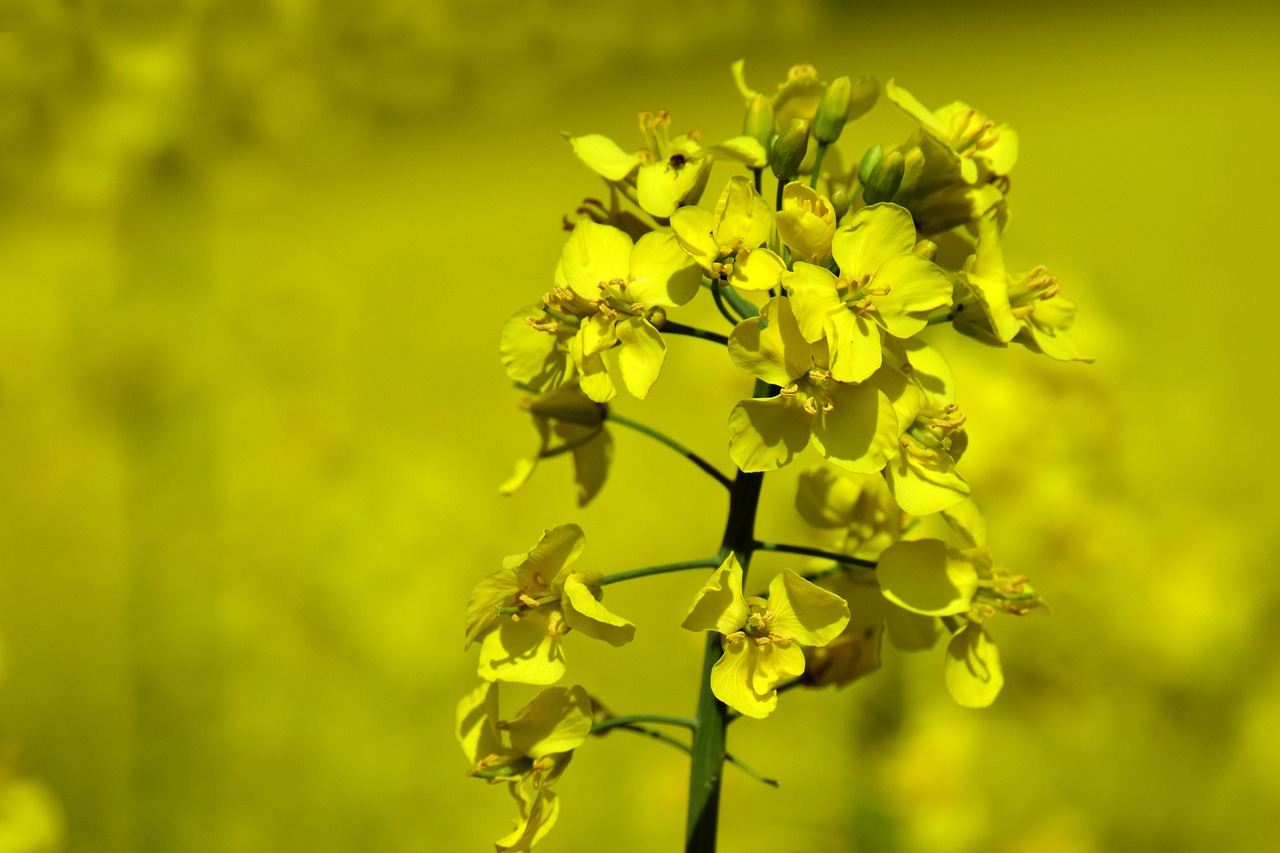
[{"x": 830, "y": 284}]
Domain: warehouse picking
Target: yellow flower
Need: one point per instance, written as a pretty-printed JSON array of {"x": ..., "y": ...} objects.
[
  {"x": 525, "y": 646},
  {"x": 626, "y": 287},
  {"x": 661, "y": 178},
  {"x": 727, "y": 243},
  {"x": 923, "y": 476},
  {"x": 853, "y": 425},
  {"x": 762, "y": 637},
  {"x": 806, "y": 223},
  {"x": 986, "y": 150},
  {"x": 530, "y": 751},
  {"x": 799, "y": 96},
  {"x": 998, "y": 307},
  {"x": 567, "y": 421},
  {"x": 884, "y": 286}
]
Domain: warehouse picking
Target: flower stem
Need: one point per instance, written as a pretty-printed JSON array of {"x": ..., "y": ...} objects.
[
  {"x": 741, "y": 305},
  {"x": 815, "y": 552},
  {"x": 681, "y": 329},
  {"x": 631, "y": 719},
  {"x": 817, "y": 164},
  {"x": 685, "y": 748},
  {"x": 717, "y": 295},
  {"x": 669, "y": 442},
  {"x": 708, "y": 751},
  {"x": 700, "y": 563}
]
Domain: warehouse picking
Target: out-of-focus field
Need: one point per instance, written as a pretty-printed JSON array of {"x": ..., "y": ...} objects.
[{"x": 253, "y": 263}]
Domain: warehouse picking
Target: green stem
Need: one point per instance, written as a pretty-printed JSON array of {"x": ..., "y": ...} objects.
[
  {"x": 758, "y": 174},
  {"x": 669, "y": 442},
  {"x": 740, "y": 304},
  {"x": 681, "y": 329},
  {"x": 571, "y": 445},
  {"x": 717, "y": 295},
  {"x": 778, "y": 203},
  {"x": 708, "y": 751},
  {"x": 817, "y": 164},
  {"x": 815, "y": 552},
  {"x": 685, "y": 748},
  {"x": 629, "y": 574},
  {"x": 631, "y": 719}
]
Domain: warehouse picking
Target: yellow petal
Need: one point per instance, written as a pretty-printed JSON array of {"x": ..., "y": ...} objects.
[
  {"x": 594, "y": 253},
  {"x": 973, "y": 673},
  {"x": 765, "y": 435},
  {"x": 662, "y": 273},
  {"x": 861, "y": 432},
  {"x": 523, "y": 651},
  {"x": 603, "y": 156},
  {"x": 640, "y": 355},
  {"x": 732, "y": 678},
  {"x": 771, "y": 346},
  {"x": 926, "y": 577},
  {"x": 804, "y": 611},
  {"x": 476, "y": 724},
  {"x": 759, "y": 271},
  {"x": 558, "y": 719},
  {"x": 584, "y": 613},
  {"x": 719, "y": 605},
  {"x": 872, "y": 236},
  {"x": 813, "y": 297}
]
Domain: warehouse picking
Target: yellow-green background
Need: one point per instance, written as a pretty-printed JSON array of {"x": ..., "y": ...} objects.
[{"x": 253, "y": 262}]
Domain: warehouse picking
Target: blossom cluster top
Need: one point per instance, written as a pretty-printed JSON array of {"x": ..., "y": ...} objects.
[{"x": 828, "y": 264}]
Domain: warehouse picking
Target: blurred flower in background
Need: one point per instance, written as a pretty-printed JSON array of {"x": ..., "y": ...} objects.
[{"x": 254, "y": 263}]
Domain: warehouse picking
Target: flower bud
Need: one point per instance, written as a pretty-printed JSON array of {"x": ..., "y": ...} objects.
[
  {"x": 869, "y": 161},
  {"x": 789, "y": 149},
  {"x": 833, "y": 111},
  {"x": 759, "y": 120},
  {"x": 912, "y": 169},
  {"x": 840, "y": 202},
  {"x": 927, "y": 249},
  {"x": 884, "y": 179}
]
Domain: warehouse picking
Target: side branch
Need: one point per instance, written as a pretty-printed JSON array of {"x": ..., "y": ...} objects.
[
  {"x": 672, "y": 443},
  {"x": 815, "y": 552},
  {"x": 673, "y": 328}
]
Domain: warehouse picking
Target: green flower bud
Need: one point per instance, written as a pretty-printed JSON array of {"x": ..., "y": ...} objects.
[
  {"x": 840, "y": 203},
  {"x": 833, "y": 111},
  {"x": 868, "y": 163},
  {"x": 759, "y": 120},
  {"x": 884, "y": 179},
  {"x": 789, "y": 149},
  {"x": 912, "y": 168}
]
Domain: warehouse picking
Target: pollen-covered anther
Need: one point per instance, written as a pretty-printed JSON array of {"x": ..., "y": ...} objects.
[
  {"x": 955, "y": 421},
  {"x": 619, "y": 283},
  {"x": 789, "y": 391},
  {"x": 1021, "y": 312},
  {"x": 544, "y": 325},
  {"x": 527, "y": 600}
]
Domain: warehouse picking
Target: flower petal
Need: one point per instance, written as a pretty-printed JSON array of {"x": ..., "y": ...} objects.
[
  {"x": 538, "y": 808},
  {"x": 533, "y": 357},
  {"x": 759, "y": 271},
  {"x": 973, "y": 673},
  {"x": 591, "y": 460},
  {"x": 770, "y": 346},
  {"x": 555, "y": 549},
  {"x": 693, "y": 227},
  {"x": 558, "y": 719},
  {"x": 603, "y": 156},
  {"x": 804, "y": 611},
  {"x": 765, "y": 435},
  {"x": 524, "y": 651},
  {"x": 583, "y": 612},
  {"x": 813, "y": 297},
  {"x": 732, "y": 678},
  {"x": 640, "y": 355},
  {"x": 594, "y": 253},
  {"x": 861, "y": 432},
  {"x": 926, "y": 577},
  {"x": 917, "y": 288},
  {"x": 773, "y": 663},
  {"x": 476, "y": 724},
  {"x": 854, "y": 344},
  {"x": 872, "y": 236},
  {"x": 719, "y": 605},
  {"x": 662, "y": 273}
]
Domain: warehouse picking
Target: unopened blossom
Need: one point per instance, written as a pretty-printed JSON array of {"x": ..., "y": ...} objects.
[
  {"x": 806, "y": 224},
  {"x": 762, "y": 637},
  {"x": 986, "y": 150}
]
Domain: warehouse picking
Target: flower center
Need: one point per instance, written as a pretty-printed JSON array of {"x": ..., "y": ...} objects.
[{"x": 758, "y": 620}]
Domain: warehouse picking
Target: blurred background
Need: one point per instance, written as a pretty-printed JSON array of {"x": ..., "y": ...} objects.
[{"x": 254, "y": 258}]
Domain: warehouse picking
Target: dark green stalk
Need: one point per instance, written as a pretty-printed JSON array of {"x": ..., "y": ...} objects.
[
  {"x": 815, "y": 552},
  {"x": 669, "y": 442},
  {"x": 708, "y": 753},
  {"x": 671, "y": 328}
]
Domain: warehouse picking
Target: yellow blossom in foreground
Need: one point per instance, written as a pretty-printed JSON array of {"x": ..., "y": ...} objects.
[
  {"x": 529, "y": 751},
  {"x": 525, "y": 646},
  {"x": 762, "y": 637},
  {"x": 728, "y": 244}
]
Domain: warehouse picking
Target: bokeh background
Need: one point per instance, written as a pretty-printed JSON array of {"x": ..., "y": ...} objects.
[{"x": 254, "y": 257}]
